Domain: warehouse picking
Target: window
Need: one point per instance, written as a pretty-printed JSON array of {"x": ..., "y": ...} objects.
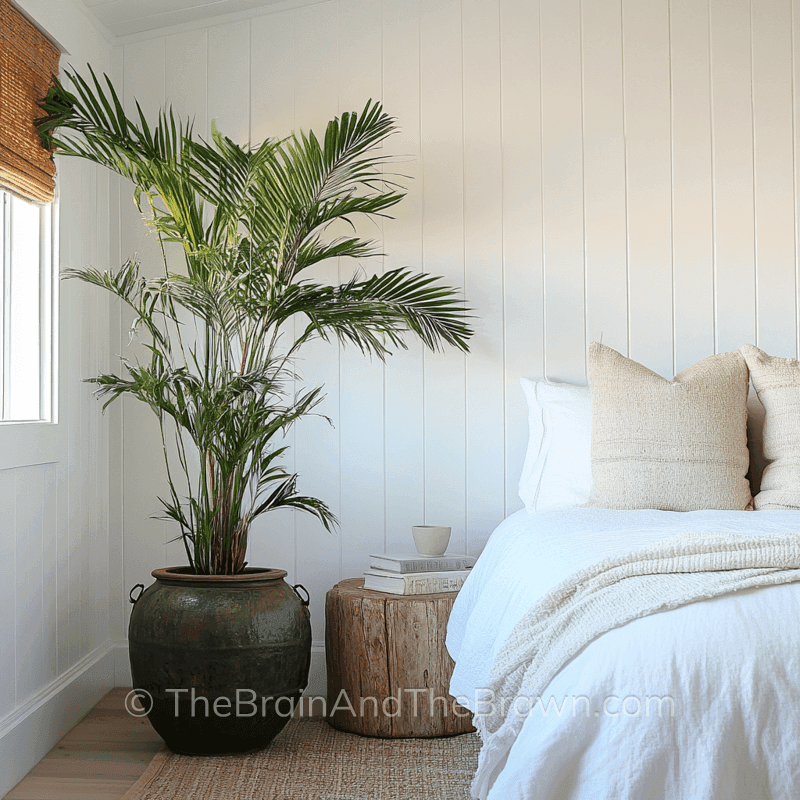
[{"x": 26, "y": 317}]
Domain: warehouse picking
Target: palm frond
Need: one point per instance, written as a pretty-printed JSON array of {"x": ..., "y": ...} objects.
[{"x": 252, "y": 219}]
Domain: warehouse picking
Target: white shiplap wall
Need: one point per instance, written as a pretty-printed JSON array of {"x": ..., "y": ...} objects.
[
  {"x": 56, "y": 656},
  {"x": 583, "y": 168}
]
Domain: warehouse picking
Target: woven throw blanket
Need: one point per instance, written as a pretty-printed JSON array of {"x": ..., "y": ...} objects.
[{"x": 664, "y": 575}]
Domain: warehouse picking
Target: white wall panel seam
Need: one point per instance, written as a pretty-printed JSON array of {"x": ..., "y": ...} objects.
[
  {"x": 794, "y": 182},
  {"x": 384, "y": 376},
  {"x": 422, "y": 263},
  {"x": 755, "y": 196},
  {"x": 464, "y": 262},
  {"x": 712, "y": 154},
  {"x": 249, "y": 81},
  {"x": 627, "y": 213},
  {"x": 586, "y": 333},
  {"x": 121, "y": 404},
  {"x": 16, "y": 598},
  {"x": 541, "y": 194},
  {"x": 208, "y": 94},
  {"x": 294, "y": 321},
  {"x": 339, "y": 279},
  {"x": 672, "y": 189},
  {"x": 503, "y": 255}
]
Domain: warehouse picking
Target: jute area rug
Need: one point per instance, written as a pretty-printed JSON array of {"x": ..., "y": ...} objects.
[{"x": 310, "y": 760}]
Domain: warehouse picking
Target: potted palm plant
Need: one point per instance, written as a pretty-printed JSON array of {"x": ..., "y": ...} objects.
[{"x": 217, "y": 644}]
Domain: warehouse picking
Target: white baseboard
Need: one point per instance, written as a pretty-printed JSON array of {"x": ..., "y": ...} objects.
[
  {"x": 31, "y": 731},
  {"x": 317, "y": 679}
]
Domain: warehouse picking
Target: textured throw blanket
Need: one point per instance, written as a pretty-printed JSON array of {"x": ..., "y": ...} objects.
[{"x": 667, "y": 574}]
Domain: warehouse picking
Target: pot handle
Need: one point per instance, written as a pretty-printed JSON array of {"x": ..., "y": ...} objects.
[
  {"x": 133, "y": 599},
  {"x": 308, "y": 596}
]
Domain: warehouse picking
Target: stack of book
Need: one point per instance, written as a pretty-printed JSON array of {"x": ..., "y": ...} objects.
[{"x": 403, "y": 574}]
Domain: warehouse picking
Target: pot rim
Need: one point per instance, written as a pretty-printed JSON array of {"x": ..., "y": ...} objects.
[{"x": 251, "y": 575}]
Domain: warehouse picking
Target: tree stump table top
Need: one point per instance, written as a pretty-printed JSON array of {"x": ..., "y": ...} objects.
[{"x": 388, "y": 668}]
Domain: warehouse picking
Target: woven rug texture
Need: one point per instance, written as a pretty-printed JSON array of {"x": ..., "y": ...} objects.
[{"x": 310, "y": 760}]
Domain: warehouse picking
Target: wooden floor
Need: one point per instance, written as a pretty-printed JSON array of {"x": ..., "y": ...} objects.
[
  {"x": 102, "y": 756},
  {"x": 99, "y": 759}
]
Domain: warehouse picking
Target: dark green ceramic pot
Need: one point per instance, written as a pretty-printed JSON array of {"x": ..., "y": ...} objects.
[{"x": 223, "y": 658}]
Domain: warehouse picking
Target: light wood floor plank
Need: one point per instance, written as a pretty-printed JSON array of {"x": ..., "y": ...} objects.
[{"x": 99, "y": 759}]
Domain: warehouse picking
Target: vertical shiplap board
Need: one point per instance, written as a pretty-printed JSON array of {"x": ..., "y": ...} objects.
[
  {"x": 185, "y": 87},
  {"x": 185, "y": 77},
  {"x": 63, "y": 557},
  {"x": 102, "y": 230},
  {"x": 732, "y": 140},
  {"x": 70, "y": 226},
  {"x": 361, "y": 394},
  {"x": 483, "y": 243},
  {"x": 774, "y": 181},
  {"x": 143, "y": 70},
  {"x": 143, "y": 74},
  {"x": 441, "y": 109},
  {"x": 65, "y": 167},
  {"x": 271, "y": 76},
  {"x": 692, "y": 191},
  {"x": 645, "y": 40},
  {"x": 272, "y": 540},
  {"x": 604, "y": 175},
  {"x": 114, "y": 411},
  {"x": 402, "y": 237},
  {"x": 795, "y": 29},
  {"x": 8, "y": 593},
  {"x": 316, "y": 66},
  {"x": 229, "y": 79},
  {"x": 70, "y": 255},
  {"x": 144, "y": 538},
  {"x": 102, "y": 365},
  {"x": 72, "y": 293},
  {"x": 50, "y": 577},
  {"x": 84, "y": 485},
  {"x": 98, "y": 593},
  {"x": 31, "y": 665},
  {"x": 522, "y": 223},
  {"x": 562, "y": 191},
  {"x": 103, "y": 356},
  {"x": 93, "y": 590},
  {"x": 65, "y": 515},
  {"x": 317, "y": 449}
]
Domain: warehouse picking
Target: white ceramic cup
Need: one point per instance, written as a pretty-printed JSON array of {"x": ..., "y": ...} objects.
[{"x": 431, "y": 540}]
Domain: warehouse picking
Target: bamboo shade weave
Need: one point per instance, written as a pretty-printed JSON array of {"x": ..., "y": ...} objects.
[{"x": 28, "y": 64}]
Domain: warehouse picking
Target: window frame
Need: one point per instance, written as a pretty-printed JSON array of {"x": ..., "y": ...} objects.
[{"x": 48, "y": 312}]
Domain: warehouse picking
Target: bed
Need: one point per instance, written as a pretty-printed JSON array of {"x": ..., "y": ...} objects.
[
  {"x": 698, "y": 699},
  {"x": 731, "y": 666}
]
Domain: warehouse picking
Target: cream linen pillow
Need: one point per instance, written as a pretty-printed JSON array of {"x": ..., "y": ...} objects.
[
  {"x": 777, "y": 382},
  {"x": 677, "y": 445}
]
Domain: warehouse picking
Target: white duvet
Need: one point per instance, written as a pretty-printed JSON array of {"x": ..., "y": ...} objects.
[{"x": 702, "y": 701}]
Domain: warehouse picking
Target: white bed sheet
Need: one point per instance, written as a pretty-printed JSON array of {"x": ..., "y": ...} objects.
[{"x": 731, "y": 666}]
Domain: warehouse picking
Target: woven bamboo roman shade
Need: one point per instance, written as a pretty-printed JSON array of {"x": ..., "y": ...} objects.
[{"x": 28, "y": 64}]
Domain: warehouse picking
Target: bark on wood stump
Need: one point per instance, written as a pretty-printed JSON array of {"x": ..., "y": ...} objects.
[{"x": 388, "y": 669}]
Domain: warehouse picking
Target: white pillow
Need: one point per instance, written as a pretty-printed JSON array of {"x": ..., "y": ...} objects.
[
  {"x": 777, "y": 381},
  {"x": 557, "y": 472}
]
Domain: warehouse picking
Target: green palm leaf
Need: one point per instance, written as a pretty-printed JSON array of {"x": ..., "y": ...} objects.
[{"x": 252, "y": 220}]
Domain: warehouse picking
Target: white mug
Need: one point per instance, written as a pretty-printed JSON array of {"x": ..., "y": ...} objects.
[{"x": 431, "y": 540}]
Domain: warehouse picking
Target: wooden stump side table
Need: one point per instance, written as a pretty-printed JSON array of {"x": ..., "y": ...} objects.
[{"x": 388, "y": 668}]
